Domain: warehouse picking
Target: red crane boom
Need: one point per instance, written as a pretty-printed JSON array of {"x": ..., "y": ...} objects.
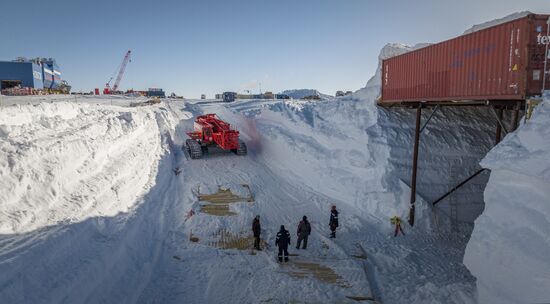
[
  {"x": 122, "y": 69},
  {"x": 119, "y": 75}
]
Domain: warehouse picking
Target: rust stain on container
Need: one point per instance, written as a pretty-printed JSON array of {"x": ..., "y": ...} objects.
[{"x": 502, "y": 62}]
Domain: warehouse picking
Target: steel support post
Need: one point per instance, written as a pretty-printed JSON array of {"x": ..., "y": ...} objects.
[
  {"x": 515, "y": 116},
  {"x": 499, "y": 126},
  {"x": 415, "y": 164}
]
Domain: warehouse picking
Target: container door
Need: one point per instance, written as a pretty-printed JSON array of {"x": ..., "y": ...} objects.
[
  {"x": 515, "y": 62},
  {"x": 539, "y": 39}
]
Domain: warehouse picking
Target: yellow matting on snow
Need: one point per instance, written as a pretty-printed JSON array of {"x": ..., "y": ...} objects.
[
  {"x": 318, "y": 271},
  {"x": 218, "y": 203},
  {"x": 227, "y": 240}
]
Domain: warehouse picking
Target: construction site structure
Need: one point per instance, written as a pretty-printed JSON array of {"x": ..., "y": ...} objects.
[
  {"x": 120, "y": 73},
  {"x": 229, "y": 96},
  {"x": 155, "y": 92},
  {"x": 209, "y": 130},
  {"x": 24, "y": 76},
  {"x": 507, "y": 62}
]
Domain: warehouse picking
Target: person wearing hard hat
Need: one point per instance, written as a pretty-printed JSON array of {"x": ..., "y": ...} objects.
[{"x": 396, "y": 220}]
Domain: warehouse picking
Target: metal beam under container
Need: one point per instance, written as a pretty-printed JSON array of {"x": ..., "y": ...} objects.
[
  {"x": 504, "y": 104},
  {"x": 415, "y": 164},
  {"x": 500, "y": 105}
]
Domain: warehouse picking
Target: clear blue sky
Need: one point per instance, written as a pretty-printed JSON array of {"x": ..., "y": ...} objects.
[{"x": 208, "y": 46}]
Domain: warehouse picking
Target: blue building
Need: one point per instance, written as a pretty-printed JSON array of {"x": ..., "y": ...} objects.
[
  {"x": 39, "y": 73},
  {"x": 51, "y": 74},
  {"x": 229, "y": 96},
  {"x": 155, "y": 92},
  {"x": 20, "y": 73}
]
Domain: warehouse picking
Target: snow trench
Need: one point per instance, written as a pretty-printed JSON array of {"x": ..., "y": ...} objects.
[
  {"x": 91, "y": 210},
  {"x": 119, "y": 244}
]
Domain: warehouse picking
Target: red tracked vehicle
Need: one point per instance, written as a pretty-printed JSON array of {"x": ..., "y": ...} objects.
[{"x": 212, "y": 131}]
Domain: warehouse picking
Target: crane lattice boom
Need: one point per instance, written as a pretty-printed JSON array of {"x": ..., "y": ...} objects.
[
  {"x": 122, "y": 68},
  {"x": 125, "y": 61}
]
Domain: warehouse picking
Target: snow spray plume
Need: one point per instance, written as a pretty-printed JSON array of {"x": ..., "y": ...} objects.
[{"x": 254, "y": 143}]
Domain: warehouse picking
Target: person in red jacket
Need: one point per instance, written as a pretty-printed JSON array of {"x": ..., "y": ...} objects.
[
  {"x": 304, "y": 230},
  {"x": 256, "y": 230}
]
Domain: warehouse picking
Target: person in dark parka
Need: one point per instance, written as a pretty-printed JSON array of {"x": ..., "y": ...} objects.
[
  {"x": 333, "y": 221},
  {"x": 282, "y": 241},
  {"x": 256, "y": 229},
  {"x": 304, "y": 230}
]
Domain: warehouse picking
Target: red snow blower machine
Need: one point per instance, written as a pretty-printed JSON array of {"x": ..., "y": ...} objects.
[{"x": 212, "y": 131}]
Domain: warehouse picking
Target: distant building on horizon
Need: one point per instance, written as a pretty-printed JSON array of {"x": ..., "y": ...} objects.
[
  {"x": 37, "y": 73},
  {"x": 155, "y": 92}
]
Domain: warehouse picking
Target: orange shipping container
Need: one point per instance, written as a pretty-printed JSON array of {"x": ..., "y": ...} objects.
[{"x": 502, "y": 62}]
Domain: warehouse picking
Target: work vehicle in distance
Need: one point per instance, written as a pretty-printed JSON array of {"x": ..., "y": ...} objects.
[
  {"x": 209, "y": 131},
  {"x": 229, "y": 96}
]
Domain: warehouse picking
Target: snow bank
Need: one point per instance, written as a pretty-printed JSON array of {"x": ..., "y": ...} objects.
[
  {"x": 66, "y": 162},
  {"x": 301, "y": 93},
  {"x": 372, "y": 89},
  {"x": 479, "y": 27},
  {"x": 509, "y": 247}
]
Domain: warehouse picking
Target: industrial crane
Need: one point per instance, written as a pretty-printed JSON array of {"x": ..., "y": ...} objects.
[{"x": 125, "y": 61}]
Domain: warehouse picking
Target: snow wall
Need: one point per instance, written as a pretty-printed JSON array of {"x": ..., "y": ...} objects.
[
  {"x": 510, "y": 245},
  {"x": 70, "y": 161}
]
